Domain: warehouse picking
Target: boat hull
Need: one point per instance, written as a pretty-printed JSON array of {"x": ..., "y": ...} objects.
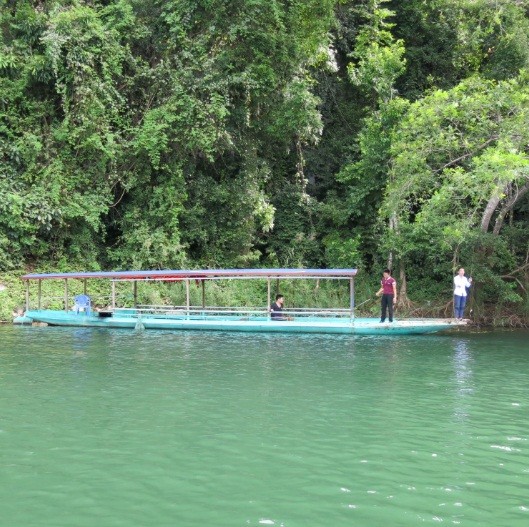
[{"x": 208, "y": 322}]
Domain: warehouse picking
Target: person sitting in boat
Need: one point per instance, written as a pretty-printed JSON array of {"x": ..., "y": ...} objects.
[{"x": 276, "y": 309}]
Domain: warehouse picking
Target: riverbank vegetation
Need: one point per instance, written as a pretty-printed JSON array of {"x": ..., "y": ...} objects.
[{"x": 270, "y": 133}]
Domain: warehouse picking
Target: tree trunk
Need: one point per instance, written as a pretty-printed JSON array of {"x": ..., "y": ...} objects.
[
  {"x": 393, "y": 226},
  {"x": 508, "y": 206},
  {"x": 403, "y": 290},
  {"x": 492, "y": 205}
]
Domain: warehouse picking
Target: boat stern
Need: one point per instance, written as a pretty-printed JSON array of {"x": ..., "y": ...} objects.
[{"x": 23, "y": 320}]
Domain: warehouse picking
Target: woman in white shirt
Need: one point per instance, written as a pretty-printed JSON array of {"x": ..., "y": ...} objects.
[{"x": 461, "y": 284}]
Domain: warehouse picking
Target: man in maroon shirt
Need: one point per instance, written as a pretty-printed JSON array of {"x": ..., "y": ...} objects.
[{"x": 388, "y": 290}]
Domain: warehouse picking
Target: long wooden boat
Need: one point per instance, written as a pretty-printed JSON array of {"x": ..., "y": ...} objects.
[{"x": 190, "y": 317}]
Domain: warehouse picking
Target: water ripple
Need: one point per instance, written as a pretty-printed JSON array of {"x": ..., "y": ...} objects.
[{"x": 165, "y": 428}]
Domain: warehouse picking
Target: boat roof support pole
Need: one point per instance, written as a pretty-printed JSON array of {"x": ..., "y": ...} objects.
[
  {"x": 84, "y": 286},
  {"x": 352, "y": 295},
  {"x": 27, "y": 295},
  {"x": 39, "y": 301},
  {"x": 269, "y": 294},
  {"x": 113, "y": 294},
  {"x": 203, "y": 294},
  {"x": 187, "y": 297},
  {"x": 66, "y": 295},
  {"x": 135, "y": 292}
]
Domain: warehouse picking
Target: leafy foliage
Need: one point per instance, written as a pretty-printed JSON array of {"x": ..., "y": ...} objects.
[
  {"x": 459, "y": 162},
  {"x": 268, "y": 132}
]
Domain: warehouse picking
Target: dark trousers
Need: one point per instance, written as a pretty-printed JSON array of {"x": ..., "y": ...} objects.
[
  {"x": 387, "y": 305},
  {"x": 459, "y": 306}
]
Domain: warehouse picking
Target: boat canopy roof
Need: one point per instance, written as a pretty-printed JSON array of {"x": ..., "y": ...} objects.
[{"x": 205, "y": 274}]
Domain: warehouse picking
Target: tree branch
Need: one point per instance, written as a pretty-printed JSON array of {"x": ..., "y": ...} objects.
[
  {"x": 509, "y": 204},
  {"x": 525, "y": 266},
  {"x": 468, "y": 154},
  {"x": 516, "y": 280}
]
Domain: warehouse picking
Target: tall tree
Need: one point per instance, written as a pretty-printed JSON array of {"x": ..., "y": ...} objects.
[{"x": 460, "y": 163}]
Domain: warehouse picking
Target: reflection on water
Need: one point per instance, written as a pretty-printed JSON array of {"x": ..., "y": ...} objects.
[
  {"x": 117, "y": 428},
  {"x": 463, "y": 374}
]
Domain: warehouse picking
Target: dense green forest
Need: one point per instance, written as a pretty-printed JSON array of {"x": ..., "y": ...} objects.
[{"x": 264, "y": 133}]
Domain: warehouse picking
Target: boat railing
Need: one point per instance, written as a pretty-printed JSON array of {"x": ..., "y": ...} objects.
[
  {"x": 98, "y": 301},
  {"x": 165, "y": 310}
]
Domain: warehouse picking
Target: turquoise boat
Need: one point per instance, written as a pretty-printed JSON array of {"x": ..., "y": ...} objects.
[{"x": 84, "y": 313}]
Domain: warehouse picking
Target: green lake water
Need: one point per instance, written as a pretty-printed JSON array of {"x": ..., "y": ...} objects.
[{"x": 112, "y": 428}]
